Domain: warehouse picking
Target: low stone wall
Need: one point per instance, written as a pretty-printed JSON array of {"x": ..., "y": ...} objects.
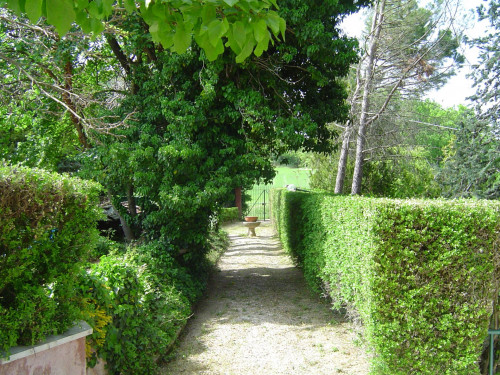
[{"x": 57, "y": 355}]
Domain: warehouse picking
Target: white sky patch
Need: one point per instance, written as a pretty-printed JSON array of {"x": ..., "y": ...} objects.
[
  {"x": 354, "y": 24},
  {"x": 459, "y": 87}
]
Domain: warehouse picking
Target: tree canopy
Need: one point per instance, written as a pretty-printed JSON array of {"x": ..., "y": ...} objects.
[
  {"x": 486, "y": 72},
  {"x": 472, "y": 168},
  {"x": 171, "y": 135},
  {"x": 409, "y": 50}
]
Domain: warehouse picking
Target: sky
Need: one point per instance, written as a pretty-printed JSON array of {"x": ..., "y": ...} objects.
[{"x": 458, "y": 87}]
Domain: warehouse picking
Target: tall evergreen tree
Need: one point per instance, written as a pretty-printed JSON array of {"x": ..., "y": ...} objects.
[
  {"x": 486, "y": 73},
  {"x": 473, "y": 167}
]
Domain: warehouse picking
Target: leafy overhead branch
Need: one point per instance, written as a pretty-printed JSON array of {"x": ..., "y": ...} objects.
[
  {"x": 245, "y": 26},
  {"x": 26, "y": 66}
]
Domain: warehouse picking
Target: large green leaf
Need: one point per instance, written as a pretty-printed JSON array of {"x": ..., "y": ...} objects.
[
  {"x": 162, "y": 33},
  {"x": 282, "y": 28},
  {"x": 129, "y": 5},
  {"x": 260, "y": 30},
  {"x": 246, "y": 50},
  {"x": 216, "y": 29},
  {"x": 239, "y": 33},
  {"x": 107, "y": 7},
  {"x": 16, "y": 5},
  {"x": 182, "y": 38},
  {"x": 262, "y": 45},
  {"x": 208, "y": 13},
  {"x": 96, "y": 26},
  {"x": 231, "y": 42},
  {"x": 83, "y": 20},
  {"x": 210, "y": 51},
  {"x": 274, "y": 3},
  {"x": 33, "y": 9},
  {"x": 273, "y": 21},
  {"x": 61, "y": 14}
]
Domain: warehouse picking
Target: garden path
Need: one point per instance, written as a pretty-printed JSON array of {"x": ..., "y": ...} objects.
[{"x": 258, "y": 317}]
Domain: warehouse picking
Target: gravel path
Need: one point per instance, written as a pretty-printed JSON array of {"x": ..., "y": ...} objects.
[{"x": 258, "y": 317}]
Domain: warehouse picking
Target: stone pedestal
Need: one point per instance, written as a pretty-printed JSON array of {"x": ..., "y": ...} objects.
[
  {"x": 251, "y": 225},
  {"x": 57, "y": 355}
]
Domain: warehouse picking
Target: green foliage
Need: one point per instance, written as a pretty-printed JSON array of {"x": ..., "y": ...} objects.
[
  {"x": 472, "y": 166},
  {"x": 229, "y": 214},
  {"x": 485, "y": 74},
  {"x": 245, "y": 26},
  {"x": 290, "y": 159},
  {"x": 420, "y": 274},
  {"x": 47, "y": 228},
  {"x": 36, "y": 71},
  {"x": 138, "y": 301},
  {"x": 219, "y": 243},
  {"x": 411, "y": 167},
  {"x": 436, "y": 128},
  {"x": 145, "y": 307},
  {"x": 200, "y": 129},
  {"x": 105, "y": 246},
  {"x": 408, "y": 175},
  {"x": 34, "y": 141}
]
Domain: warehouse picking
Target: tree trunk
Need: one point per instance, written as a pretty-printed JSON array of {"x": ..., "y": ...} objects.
[
  {"x": 66, "y": 96},
  {"x": 368, "y": 76},
  {"x": 344, "y": 153},
  {"x": 127, "y": 231},
  {"x": 132, "y": 208}
]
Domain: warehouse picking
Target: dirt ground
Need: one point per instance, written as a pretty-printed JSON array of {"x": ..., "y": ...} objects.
[{"x": 258, "y": 317}]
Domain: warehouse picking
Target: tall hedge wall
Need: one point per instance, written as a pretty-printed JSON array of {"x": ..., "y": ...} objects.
[
  {"x": 421, "y": 274},
  {"x": 47, "y": 227}
]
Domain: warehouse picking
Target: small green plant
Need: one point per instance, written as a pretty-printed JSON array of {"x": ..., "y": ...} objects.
[
  {"x": 105, "y": 246},
  {"x": 137, "y": 301}
]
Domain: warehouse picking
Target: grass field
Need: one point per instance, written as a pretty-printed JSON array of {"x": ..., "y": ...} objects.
[
  {"x": 259, "y": 195},
  {"x": 296, "y": 176}
]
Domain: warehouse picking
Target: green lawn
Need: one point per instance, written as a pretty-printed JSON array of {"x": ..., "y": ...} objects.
[
  {"x": 296, "y": 176},
  {"x": 284, "y": 176}
]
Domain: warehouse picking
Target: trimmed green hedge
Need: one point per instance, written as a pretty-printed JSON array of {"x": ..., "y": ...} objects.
[
  {"x": 47, "y": 228},
  {"x": 421, "y": 274}
]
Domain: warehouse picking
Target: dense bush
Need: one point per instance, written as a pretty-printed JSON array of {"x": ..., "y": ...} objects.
[
  {"x": 229, "y": 214},
  {"x": 138, "y": 301},
  {"x": 422, "y": 275},
  {"x": 290, "y": 159},
  {"x": 47, "y": 227},
  {"x": 144, "y": 310},
  {"x": 409, "y": 174}
]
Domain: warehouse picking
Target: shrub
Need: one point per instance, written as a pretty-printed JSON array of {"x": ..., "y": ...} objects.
[
  {"x": 137, "y": 302},
  {"x": 229, "y": 214},
  {"x": 47, "y": 227},
  {"x": 421, "y": 274},
  {"x": 144, "y": 307}
]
